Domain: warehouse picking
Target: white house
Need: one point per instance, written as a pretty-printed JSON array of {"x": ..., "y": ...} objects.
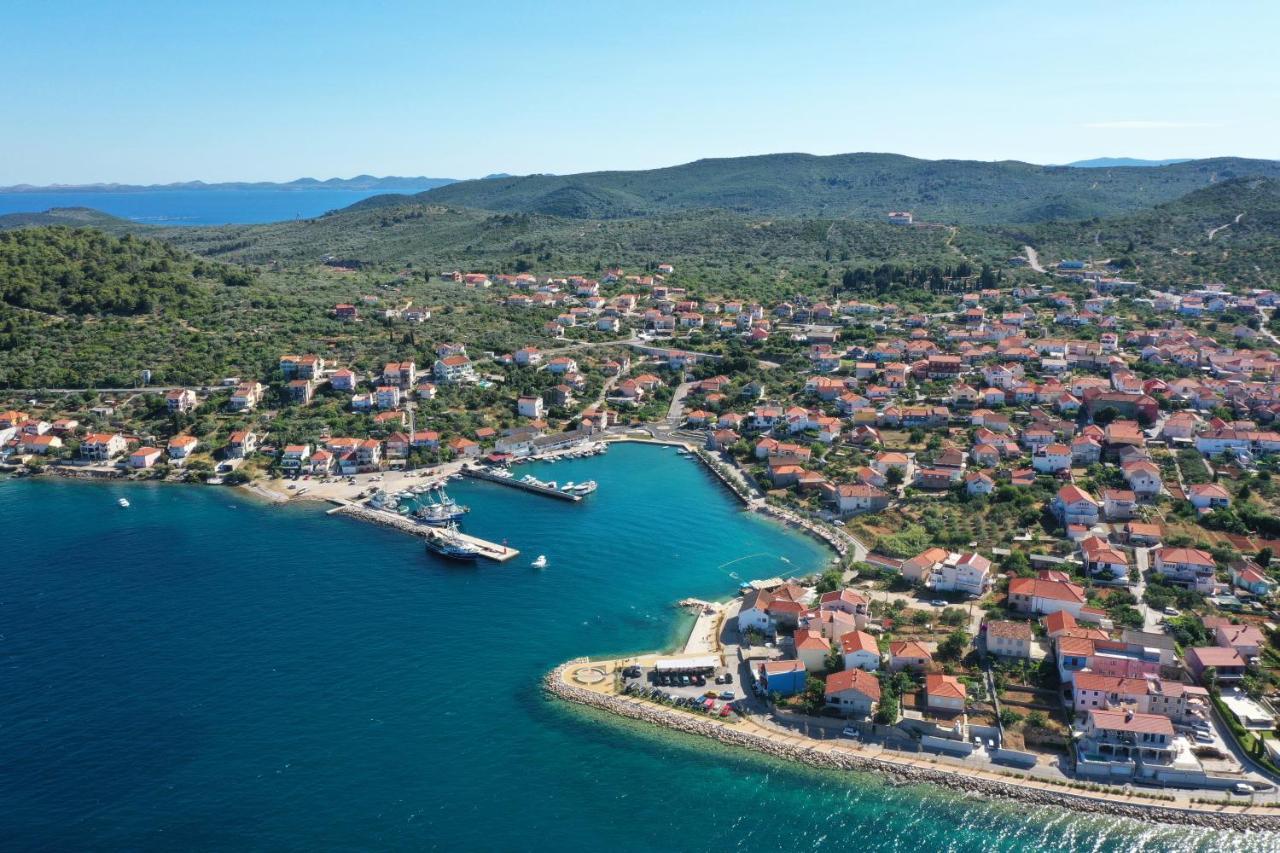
[
  {"x": 1074, "y": 505},
  {"x": 1206, "y": 497},
  {"x": 853, "y": 692},
  {"x": 102, "y": 447},
  {"x": 944, "y": 692},
  {"x": 968, "y": 573},
  {"x": 859, "y": 650},
  {"x": 1052, "y": 458},
  {"x": 454, "y": 368},
  {"x": 1189, "y": 567},
  {"x": 529, "y": 406}
]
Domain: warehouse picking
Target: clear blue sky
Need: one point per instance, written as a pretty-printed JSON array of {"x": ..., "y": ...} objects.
[{"x": 145, "y": 92}]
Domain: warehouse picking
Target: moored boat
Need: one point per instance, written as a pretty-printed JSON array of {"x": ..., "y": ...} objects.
[{"x": 449, "y": 545}]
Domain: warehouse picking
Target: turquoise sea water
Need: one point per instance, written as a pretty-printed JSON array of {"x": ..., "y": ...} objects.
[
  {"x": 194, "y": 207},
  {"x": 202, "y": 672}
]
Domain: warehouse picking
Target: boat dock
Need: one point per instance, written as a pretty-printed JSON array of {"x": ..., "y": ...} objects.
[
  {"x": 515, "y": 482},
  {"x": 488, "y": 550}
]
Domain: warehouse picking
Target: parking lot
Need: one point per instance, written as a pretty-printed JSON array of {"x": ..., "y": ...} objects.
[{"x": 685, "y": 688}]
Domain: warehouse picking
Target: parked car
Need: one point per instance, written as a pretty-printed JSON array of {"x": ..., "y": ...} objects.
[
  {"x": 1242, "y": 788},
  {"x": 728, "y": 678},
  {"x": 938, "y": 602},
  {"x": 1171, "y": 611},
  {"x": 849, "y": 731},
  {"x": 728, "y": 696}
]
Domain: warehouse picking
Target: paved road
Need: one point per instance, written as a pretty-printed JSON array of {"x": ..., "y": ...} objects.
[
  {"x": 1150, "y": 618},
  {"x": 675, "y": 412}
]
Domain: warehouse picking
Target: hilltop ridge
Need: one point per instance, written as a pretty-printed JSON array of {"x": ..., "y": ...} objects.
[{"x": 864, "y": 185}]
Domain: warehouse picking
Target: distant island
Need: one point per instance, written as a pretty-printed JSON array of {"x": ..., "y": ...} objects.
[
  {"x": 1128, "y": 162},
  {"x": 391, "y": 183}
]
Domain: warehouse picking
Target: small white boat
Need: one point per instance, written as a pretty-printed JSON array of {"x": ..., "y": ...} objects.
[
  {"x": 123, "y": 502},
  {"x": 541, "y": 562}
]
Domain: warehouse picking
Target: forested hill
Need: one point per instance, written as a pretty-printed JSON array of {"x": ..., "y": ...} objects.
[
  {"x": 1227, "y": 232},
  {"x": 848, "y": 185},
  {"x": 81, "y": 271}
]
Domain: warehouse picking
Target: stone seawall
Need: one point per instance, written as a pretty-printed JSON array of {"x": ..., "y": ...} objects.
[{"x": 555, "y": 685}]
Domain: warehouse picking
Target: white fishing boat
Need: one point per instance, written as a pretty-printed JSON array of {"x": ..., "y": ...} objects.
[
  {"x": 123, "y": 502},
  {"x": 451, "y": 546},
  {"x": 541, "y": 562}
]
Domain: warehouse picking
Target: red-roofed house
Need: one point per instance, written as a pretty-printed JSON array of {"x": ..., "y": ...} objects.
[
  {"x": 1188, "y": 567},
  {"x": 853, "y": 692},
  {"x": 102, "y": 447},
  {"x": 1226, "y": 662},
  {"x": 908, "y": 654},
  {"x": 944, "y": 692},
  {"x": 144, "y": 457},
  {"x": 1041, "y": 596},
  {"x": 811, "y": 649},
  {"x": 1073, "y": 505},
  {"x": 860, "y": 651}
]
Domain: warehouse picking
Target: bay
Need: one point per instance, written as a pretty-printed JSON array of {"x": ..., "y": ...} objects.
[
  {"x": 194, "y": 207},
  {"x": 203, "y": 671}
]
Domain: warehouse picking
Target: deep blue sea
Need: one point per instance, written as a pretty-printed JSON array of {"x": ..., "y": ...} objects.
[
  {"x": 193, "y": 207},
  {"x": 201, "y": 671}
]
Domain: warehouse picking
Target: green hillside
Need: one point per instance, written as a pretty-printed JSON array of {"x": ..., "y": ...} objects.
[
  {"x": 863, "y": 186},
  {"x": 81, "y": 271},
  {"x": 1171, "y": 242},
  {"x": 72, "y": 216},
  {"x": 748, "y": 256}
]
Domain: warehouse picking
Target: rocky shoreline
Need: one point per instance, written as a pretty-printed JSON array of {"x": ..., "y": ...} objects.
[{"x": 555, "y": 685}]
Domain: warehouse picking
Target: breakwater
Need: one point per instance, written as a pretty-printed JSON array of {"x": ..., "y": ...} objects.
[{"x": 900, "y": 772}]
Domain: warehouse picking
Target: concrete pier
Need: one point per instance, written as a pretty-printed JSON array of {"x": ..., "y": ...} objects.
[
  {"x": 517, "y": 483},
  {"x": 488, "y": 550}
]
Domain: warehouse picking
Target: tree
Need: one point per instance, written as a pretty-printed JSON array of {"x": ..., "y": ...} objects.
[
  {"x": 1016, "y": 563},
  {"x": 830, "y": 581},
  {"x": 1263, "y": 557},
  {"x": 834, "y": 661},
  {"x": 1106, "y": 416},
  {"x": 894, "y": 476},
  {"x": 814, "y": 695},
  {"x": 887, "y": 710},
  {"x": 954, "y": 646},
  {"x": 1036, "y": 720},
  {"x": 1210, "y": 679}
]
